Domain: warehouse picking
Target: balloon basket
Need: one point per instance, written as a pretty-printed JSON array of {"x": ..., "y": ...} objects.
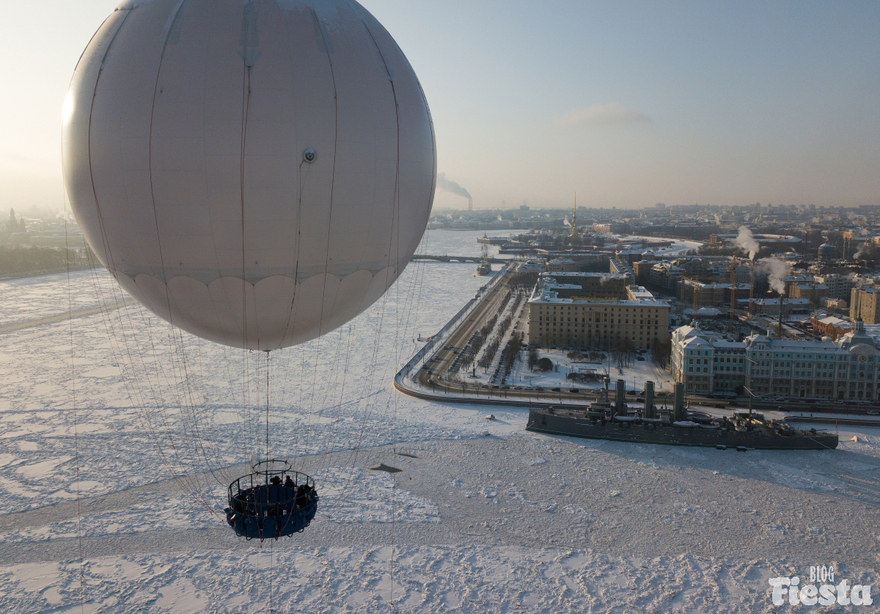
[{"x": 271, "y": 502}]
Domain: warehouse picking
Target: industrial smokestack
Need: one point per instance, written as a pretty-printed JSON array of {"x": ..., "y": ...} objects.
[
  {"x": 619, "y": 406},
  {"x": 470, "y": 204},
  {"x": 779, "y": 331},
  {"x": 649, "y": 400},
  {"x": 752, "y": 290}
]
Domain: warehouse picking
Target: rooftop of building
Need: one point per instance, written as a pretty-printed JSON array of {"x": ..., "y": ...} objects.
[
  {"x": 835, "y": 321},
  {"x": 715, "y": 285},
  {"x": 858, "y": 341},
  {"x": 785, "y": 301},
  {"x": 577, "y": 274},
  {"x": 546, "y": 292}
]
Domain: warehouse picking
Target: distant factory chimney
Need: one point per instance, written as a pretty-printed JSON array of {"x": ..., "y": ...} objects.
[
  {"x": 470, "y": 204},
  {"x": 780, "y": 316},
  {"x": 752, "y": 290}
]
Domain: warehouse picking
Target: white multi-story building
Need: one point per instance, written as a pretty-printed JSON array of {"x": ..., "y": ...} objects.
[
  {"x": 705, "y": 361},
  {"x": 768, "y": 366}
]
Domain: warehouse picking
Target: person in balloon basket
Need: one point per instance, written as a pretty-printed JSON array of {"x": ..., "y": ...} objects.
[{"x": 303, "y": 496}]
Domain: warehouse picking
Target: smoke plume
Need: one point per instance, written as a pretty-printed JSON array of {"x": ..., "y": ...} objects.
[
  {"x": 860, "y": 251},
  {"x": 746, "y": 242},
  {"x": 776, "y": 271},
  {"x": 450, "y": 186}
]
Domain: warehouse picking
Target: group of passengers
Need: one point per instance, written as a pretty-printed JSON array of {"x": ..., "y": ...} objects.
[{"x": 294, "y": 498}]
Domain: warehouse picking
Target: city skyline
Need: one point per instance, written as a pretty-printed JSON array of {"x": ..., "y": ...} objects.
[{"x": 627, "y": 105}]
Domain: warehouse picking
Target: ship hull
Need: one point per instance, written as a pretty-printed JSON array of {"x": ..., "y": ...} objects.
[{"x": 576, "y": 424}]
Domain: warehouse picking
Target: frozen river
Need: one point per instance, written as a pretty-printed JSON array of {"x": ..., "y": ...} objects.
[{"x": 120, "y": 437}]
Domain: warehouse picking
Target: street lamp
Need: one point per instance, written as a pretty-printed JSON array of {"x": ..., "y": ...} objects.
[{"x": 751, "y": 398}]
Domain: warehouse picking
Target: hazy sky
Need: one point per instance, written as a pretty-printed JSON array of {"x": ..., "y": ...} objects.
[{"x": 625, "y": 103}]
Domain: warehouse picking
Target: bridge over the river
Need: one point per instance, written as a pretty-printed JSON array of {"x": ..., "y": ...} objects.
[{"x": 467, "y": 259}]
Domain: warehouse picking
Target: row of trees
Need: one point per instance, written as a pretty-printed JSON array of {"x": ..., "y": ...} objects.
[
  {"x": 19, "y": 260},
  {"x": 511, "y": 353},
  {"x": 533, "y": 358},
  {"x": 660, "y": 353},
  {"x": 485, "y": 333},
  {"x": 591, "y": 356},
  {"x": 488, "y": 356},
  {"x": 525, "y": 279}
]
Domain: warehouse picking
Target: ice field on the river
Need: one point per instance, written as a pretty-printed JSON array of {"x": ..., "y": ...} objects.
[{"x": 120, "y": 436}]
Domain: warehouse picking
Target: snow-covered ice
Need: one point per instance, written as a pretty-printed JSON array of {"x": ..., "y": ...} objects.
[{"x": 120, "y": 438}]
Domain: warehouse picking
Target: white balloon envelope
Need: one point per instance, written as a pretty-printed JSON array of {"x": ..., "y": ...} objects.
[{"x": 255, "y": 172}]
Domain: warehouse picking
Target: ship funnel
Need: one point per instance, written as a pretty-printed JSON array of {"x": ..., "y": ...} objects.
[
  {"x": 619, "y": 403},
  {"x": 679, "y": 412},
  {"x": 649, "y": 401}
]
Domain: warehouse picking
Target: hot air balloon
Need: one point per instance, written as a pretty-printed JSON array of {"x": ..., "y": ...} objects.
[{"x": 256, "y": 172}]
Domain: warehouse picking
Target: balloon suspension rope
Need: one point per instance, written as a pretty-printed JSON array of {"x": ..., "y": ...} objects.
[
  {"x": 267, "y": 405},
  {"x": 271, "y": 552},
  {"x": 79, "y": 533}
]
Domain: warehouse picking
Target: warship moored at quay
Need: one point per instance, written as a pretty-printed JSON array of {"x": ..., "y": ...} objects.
[{"x": 743, "y": 430}]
